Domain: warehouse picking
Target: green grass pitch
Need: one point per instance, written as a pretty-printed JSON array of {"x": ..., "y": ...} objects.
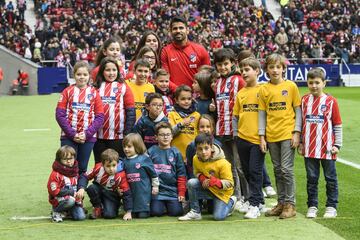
[{"x": 26, "y": 158}]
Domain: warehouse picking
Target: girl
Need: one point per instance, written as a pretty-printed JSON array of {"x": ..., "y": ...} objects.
[
  {"x": 206, "y": 125},
  {"x": 149, "y": 55},
  {"x": 140, "y": 174},
  {"x": 80, "y": 114},
  {"x": 110, "y": 48},
  {"x": 205, "y": 103},
  {"x": 184, "y": 119},
  {"x": 150, "y": 39},
  {"x": 62, "y": 186},
  {"x": 119, "y": 108}
]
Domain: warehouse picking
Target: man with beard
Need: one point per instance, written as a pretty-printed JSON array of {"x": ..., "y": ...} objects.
[{"x": 182, "y": 58}]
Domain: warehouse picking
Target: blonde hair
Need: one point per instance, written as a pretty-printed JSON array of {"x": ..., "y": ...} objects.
[
  {"x": 81, "y": 64},
  {"x": 135, "y": 140},
  {"x": 64, "y": 151},
  {"x": 274, "y": 58},
  {"x": 252, "y": 62},
  {"x": 210, "y": 119}
]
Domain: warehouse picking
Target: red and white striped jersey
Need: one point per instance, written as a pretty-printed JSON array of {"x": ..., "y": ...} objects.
[
  {"x": 319, "y": 115},
  {"x": 111, "y": 183},
  {"x": 56, "y": 182},
  {"x": 81, "y": 105},
  {"x": 116, "y": 97},
  {"x": 226, "y": 90}
]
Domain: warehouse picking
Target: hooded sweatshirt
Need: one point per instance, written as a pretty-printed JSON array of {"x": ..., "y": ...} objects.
[{"x": 216, "y": 167}]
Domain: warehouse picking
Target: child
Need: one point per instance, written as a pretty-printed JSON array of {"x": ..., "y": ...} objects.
[
  {"x": 162, "y": 86},
  {"x": 226, "y": 88},
  {"x": 119, "y": 108},
  {"x": 184, "y": 119},
  {"x": 202, "y": 86},
  {"x": 110, "y": 48},
  {"x": 107, "y": 188},
  {"x": 280, "y": 125},
  {"x": 62, "y": 186},
  {"x": 140, "y": 174},
  {"x": 170, "y": 168},
  {"x": 206, "y": 125},
  {"x": 80, "y": 114},
  {"x": 214, "y": 180},
  {"x": 152, "y": 115},
  {"x": 245, "y": 125},
  {"x": 321, "y": 141},
  {"x": 141, "y": 88}
]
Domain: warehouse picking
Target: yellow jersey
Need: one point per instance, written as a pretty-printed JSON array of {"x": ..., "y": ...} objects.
[
  {"x": 246, "y": 108},
  {"x": 140, "y": 92},
  {"x": 187, "y": 134},
  {"x": 279, "y": 101}
]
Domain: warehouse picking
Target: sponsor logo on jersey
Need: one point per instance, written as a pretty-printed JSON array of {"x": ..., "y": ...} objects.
[
  {"x": 277, "y": 106},
  {"x": 173, "y": 59},
  {"x": 81, "y": 106},
  {"x": 108, "y": 100}
]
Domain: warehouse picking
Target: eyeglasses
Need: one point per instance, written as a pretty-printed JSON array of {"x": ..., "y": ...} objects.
[
  {"x": 163, "y": 135},
  {"x": 157, "y": 105},
  {"x": 149, "y": 57}
]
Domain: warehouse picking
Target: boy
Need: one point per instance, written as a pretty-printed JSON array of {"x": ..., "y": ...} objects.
[
  {"x": 280, "y": 125},
  {"x": 226, "y": 88},
  {"x": 321, "y": 141},
  {"x": 214, "y": 180},
  {"x": 145, "y": 126},
  {"x": 141, "y": 88},
  {"x": 62, "y": 186},
  {"x": 162, "y": 86},
  {"x": 245, "y": 125},
  {"x": 107, "y": 188},
  {"x": 170, "y": 168}
]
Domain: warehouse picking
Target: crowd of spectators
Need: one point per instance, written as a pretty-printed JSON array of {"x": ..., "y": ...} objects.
[{"x": 71, "y": 30}]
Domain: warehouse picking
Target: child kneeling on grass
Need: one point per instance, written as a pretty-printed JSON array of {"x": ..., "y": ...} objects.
[
  {"x": 321, "y": 141},
  {"x": 108, "y": 187},
  {"x": 214, "y": 180},
  {"x": 62, "y": 186}
]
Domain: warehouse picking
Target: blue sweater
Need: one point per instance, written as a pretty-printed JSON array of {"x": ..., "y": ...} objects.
[
  {"x": 145, "y": 126},
  {"x": 139, "y": 173},
  {"x": 169, "y": 166}
]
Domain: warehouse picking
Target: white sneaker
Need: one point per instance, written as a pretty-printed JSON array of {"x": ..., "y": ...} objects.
[
  {"x": 270, "y": 192},
  {"x": 263, "y": 208},
  {"x": 330, "y": 212},
  {"x": 253, "y": 213},
  {"x": 192, "y": 215},
  {"x": 312, "y": 212},
  {"x": 242, "y": 207},
  {"x": 264, "y": 194},
  {"x": 234, "y": 199},
  {"x": 56, "y": 217}
]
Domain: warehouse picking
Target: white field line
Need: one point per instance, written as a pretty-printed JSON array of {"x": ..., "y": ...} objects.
[
  {"x": 348, "y": 163},
  {"x": 36, "y": 129},
  {"x": 24, "y": 218}
]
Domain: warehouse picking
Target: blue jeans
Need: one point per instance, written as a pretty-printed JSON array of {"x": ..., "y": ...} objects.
[
  {"x": 312, "y": 166},
  {"x": 83, "y": 152},
  {"x": 171, "y": 207},
  {"x": 69, "y": 205},
  {"x": 266, "y": 179},
  {"x": 109, "y": 200},
  {"x": 252, "y": 162},
  {"x": 196, "y": 192}
]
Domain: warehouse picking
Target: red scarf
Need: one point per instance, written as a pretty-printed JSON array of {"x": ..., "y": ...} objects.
[{"x": 66, "y": 171}]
